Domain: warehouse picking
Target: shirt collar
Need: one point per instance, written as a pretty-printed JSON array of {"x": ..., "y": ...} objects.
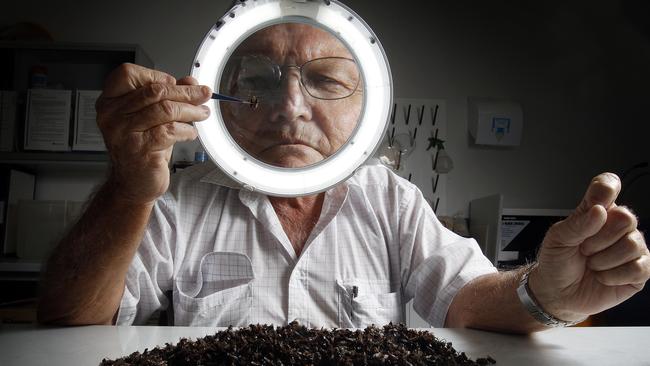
[{"x": 216, "y": 176}]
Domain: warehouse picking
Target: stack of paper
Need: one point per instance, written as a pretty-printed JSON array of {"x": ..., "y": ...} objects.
[
  {"x": 87, "y": 136},
  {"x": 48, "y": 120}
]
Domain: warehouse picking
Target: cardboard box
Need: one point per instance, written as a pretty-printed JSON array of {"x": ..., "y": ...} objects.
[
  {"x": 53, "y": 219},
  {"x": 15, "y": 186}
]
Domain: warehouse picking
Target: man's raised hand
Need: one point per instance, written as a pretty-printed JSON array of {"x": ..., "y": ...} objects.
[
  {"x": 593, "y": 260},
  {"x": 142, "y": 113}
]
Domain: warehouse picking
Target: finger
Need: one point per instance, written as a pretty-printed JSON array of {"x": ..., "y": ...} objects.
[
  {"x": 602, "y": 190},
  {"x": 633, "y": 272},
  {"x": 128, "y": 77},
  {"x": 166, "y": 135},
  {"x": 628, "y": 248},
  {"x": 165, "y": 112},
  {"x": 188, "y": 80},
  {"x": 576, "y": 228},
  {"x": 620, "y": 221},
  {"x": 590, "y": 215},
  {"x": 154, "y": 93}
]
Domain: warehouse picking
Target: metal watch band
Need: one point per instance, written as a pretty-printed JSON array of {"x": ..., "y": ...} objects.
[{"x": 523, "y": 291}]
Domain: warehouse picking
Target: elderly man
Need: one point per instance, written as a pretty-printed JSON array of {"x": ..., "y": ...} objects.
[{"x": 347, "y": 257}]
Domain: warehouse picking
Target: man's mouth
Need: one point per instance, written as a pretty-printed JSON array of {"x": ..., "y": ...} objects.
[{"x": 289, "y": 142}]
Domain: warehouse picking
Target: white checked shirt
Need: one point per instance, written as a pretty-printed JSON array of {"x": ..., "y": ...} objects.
[{"x": 223, "y": 254}]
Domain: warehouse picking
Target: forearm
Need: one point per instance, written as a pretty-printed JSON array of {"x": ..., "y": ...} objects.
[
  {"x": 84, "y": 278},
  {"x": 490, "y": 302}
]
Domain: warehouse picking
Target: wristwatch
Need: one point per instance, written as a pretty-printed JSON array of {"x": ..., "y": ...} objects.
[{"x": 529, "y": 302}]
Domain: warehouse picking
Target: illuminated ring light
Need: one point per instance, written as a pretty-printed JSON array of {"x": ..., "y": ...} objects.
[{"x": 246, "y": 18}]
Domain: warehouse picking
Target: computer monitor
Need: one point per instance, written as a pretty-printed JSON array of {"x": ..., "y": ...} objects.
[{"x": 522, "y": 230}]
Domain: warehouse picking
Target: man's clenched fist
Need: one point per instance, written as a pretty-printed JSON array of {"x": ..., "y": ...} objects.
[
  {"x": 142, "y": 113},
  {"x": 593, "y": 260}
]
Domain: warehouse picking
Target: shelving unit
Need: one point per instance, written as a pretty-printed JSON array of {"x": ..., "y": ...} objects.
[
  {"x": 70, "y": 65},
  {"x": 13, "y": 269},
  {"x": 69, "y": 175},
  {"x": 51, "y": 157},
  {"x": 46, "y": 161},
  {"x": 16, "y": 265}
]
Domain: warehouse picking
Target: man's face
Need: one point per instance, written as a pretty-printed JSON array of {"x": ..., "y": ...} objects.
[{"x": 292, "y": 126}]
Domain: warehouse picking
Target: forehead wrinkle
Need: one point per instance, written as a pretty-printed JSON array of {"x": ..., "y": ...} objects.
[{"x": 293, "y": 43}]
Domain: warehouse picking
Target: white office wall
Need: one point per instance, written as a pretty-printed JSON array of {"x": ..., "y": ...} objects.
[
  {"x": 579, "y": 71},
  {"x": 583, "y": 87}
]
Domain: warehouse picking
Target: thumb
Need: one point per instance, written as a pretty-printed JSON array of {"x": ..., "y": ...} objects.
[
  {"x": 576, "y": 228},
  {"x": 602, "y": 190},
  {"x": 187, "y": 80},
  {"x": 128, "y": 77},
  {"x": 590, "y": 216}
]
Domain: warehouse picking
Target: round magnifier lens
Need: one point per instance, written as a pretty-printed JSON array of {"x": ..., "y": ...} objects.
[{"x": 313, "y": 114}]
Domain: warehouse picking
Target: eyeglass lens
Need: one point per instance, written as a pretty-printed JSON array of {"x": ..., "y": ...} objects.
[{"x": 323, "y": 78}]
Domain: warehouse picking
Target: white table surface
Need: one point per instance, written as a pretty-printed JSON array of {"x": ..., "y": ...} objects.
[{"x": 30, "y": 345}]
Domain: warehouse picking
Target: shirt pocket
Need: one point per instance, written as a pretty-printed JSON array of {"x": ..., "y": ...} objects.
[
  {"x": 221, "y": 293},
  {"x": 362, "y": 303}
]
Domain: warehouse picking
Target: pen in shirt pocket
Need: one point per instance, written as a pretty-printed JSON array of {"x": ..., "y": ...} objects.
[{"x": 355, "y": 293}]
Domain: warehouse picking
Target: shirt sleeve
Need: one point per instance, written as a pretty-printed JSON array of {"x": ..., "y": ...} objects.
[
  {"x": 435, "y": 262},
  {"x": 151, "y": 271}
]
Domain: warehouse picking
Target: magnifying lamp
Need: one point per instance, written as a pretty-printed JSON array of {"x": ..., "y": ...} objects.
[{"x": 245, "y": 19}]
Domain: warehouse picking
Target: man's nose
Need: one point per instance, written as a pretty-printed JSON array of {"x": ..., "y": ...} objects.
[{"x": 291, "y": 102}]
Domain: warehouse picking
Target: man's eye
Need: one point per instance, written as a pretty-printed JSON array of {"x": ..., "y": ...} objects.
[
  {"x": 326, "y": 80},
  {"x": 330, "y": 84},
  {"x": 323, "y": 78},
  {"x": 254, "y": 83}
]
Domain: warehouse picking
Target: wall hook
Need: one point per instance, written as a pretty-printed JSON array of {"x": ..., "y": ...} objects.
[
  {"x": 412, "y": 137},
  {"x": 435, "y": 160},
  {"x": 434, "y": 183},
  {"x": 434, "y": 115},
  {"x": 421, "y": 115},
  {"x": 407, "y": 115},
  {"x": 399, "y": 160}
]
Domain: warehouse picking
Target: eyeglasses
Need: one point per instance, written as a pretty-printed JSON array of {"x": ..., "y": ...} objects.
[{"x": 327, "y": 78}]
